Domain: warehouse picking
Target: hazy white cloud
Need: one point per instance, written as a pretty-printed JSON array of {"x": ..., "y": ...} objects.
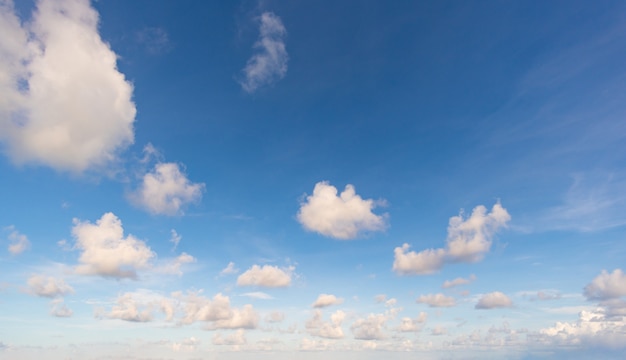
[
  {"x": 380, "y": 298},
  {"x": 341, "y": 217},
  {"x": 468, "y": 241},
  {"x": 59, "y": 309},
  {"x": 408, "y": 324},
  {"x": 458, "y": 281},
  {"x": 258, "y": 295},
  {"x": 436, "y": 300},
  {"x": 269, "y": 63},
  {"x": 236, "y": 338},
  {"x": 275, "y": 317},
  {"x": 266, "y": 276},
  {"x": 189, "y": 344},
  {"x": 329, "y": 330},
  {"x": 175, "y": 239},
  {"x": 324, "y": 300},
  {"x": 106, "y": 252},
  {"x": 48, "y": 286},
  {"x": 173, "y": 266},
  {"x": 166, "y": 190},
  {"x": 439, "y": 330},
  {"x": 18, "y": 242},
  {"x": 63, "y": 103},
  {"x": 494, "y": 300},
  {"x": 229, "y": 269},
  {"x": 607, "y": 286}
]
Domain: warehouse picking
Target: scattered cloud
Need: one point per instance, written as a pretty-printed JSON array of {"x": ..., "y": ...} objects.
[
  {"x": 106, "y": 252},
  {"x": 494, "y": 300},
  {"x": 166, "y": 190},
  {"x": 18, "y": 242},
  {"x": 436, "y": 300},
  {"x": 236, "y": 338},
  {"x": 329, "y": 330},
  {"x": 324, "y": 300},
  {"x": 468, "y": 241},
  {"x": 607, "y": 286},
  {"x": 229, "y": 269},
  {"x": 48, "y": 286},
  {"x": 275, "y": 317},
  {"x": 129, "y": 309},
  {"x": 216, "y": 312},
  {"x": 175, "y": 239},
  {"x": 269, "y": 63},
  {"x": 341, "y": 217},
  {"x": 370, "y": 328},
  {"x": 458, "y": 282},
  {"x": 266, "y": 276},
  {"x": 438, "y": 331},
  {"x": 65, "y": 104},
  {"x": 173, "y": 266}
]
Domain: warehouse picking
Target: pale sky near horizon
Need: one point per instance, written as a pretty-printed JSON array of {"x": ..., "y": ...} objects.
[{"x": 279, "y": 179}]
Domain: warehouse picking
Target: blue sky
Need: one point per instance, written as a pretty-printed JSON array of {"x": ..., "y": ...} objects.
[{"x": 341, "y": 179}]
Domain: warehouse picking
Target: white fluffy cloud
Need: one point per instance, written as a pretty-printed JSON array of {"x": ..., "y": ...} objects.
[
  {"x": 63, "y": 102},
  {"x": 408, "y": 324},
  {"x": 266, "y": 276},
  {"x": 436, "y": 300},
  {"x": 130, "y": 309},
  {"x": 468, "y": 241},
  {"x": 18, "y": 242},
  {"x": 494, "y": 300},
  {"x": 48, "y": 286},
  {"x": 173, "y": 266},
  {"x": 370, "y": 328},
  {"x": 105, "y": 250},
  {"x": 166, "y": 190},
  {"x": 607, "y": 286},
  {"x": 458, "y": 282},
  {"x": 341, "y": 217},
  {"x": 329, "y": 330},
  {"x": 324, "y": 300},
  {"x": 216, "y": 312},
  {"x": 269, "y": 63}
]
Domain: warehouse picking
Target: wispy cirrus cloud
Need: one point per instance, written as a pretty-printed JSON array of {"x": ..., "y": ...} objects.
[{"x": 269, "y": 63}]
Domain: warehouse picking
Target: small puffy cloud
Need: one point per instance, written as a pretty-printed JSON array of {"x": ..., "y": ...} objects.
[
  {"x": 269, "y": 63},
  {"x": 494, "y": 300},
  {"x": 236, "y": 338},
  {"x": 48, "y": 286},
  {"x": 229, "y": 269},
  {"x": 341, "y": 217},
  {"x": 468, "y": 241},
  {"x": 18, "y": 242},
  {"x": 189, "y": 344},
  {"x": 436, "y": 300},
  {"x": 438, "y": 330},
  {"x": 607, "y": 286},
  {"x": 64, "y": 102},
  {"x": 129, "y": 309},
  {"x": 166, "y": 190},
  {"x": 106, "y": 252},
  {"x": 408, "y": 324},
  {"x": 266, "y": 276},
  {"x": 329, "y": 330},
  {"x": 59, "y": 309},
  {"x": 216, "y": 312},
  {"x": 325, "y": 300},
  {"x": 458, "y": 282},
  {"x": 370, "y": 328},
  {"x": 425, "y": 262}
]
